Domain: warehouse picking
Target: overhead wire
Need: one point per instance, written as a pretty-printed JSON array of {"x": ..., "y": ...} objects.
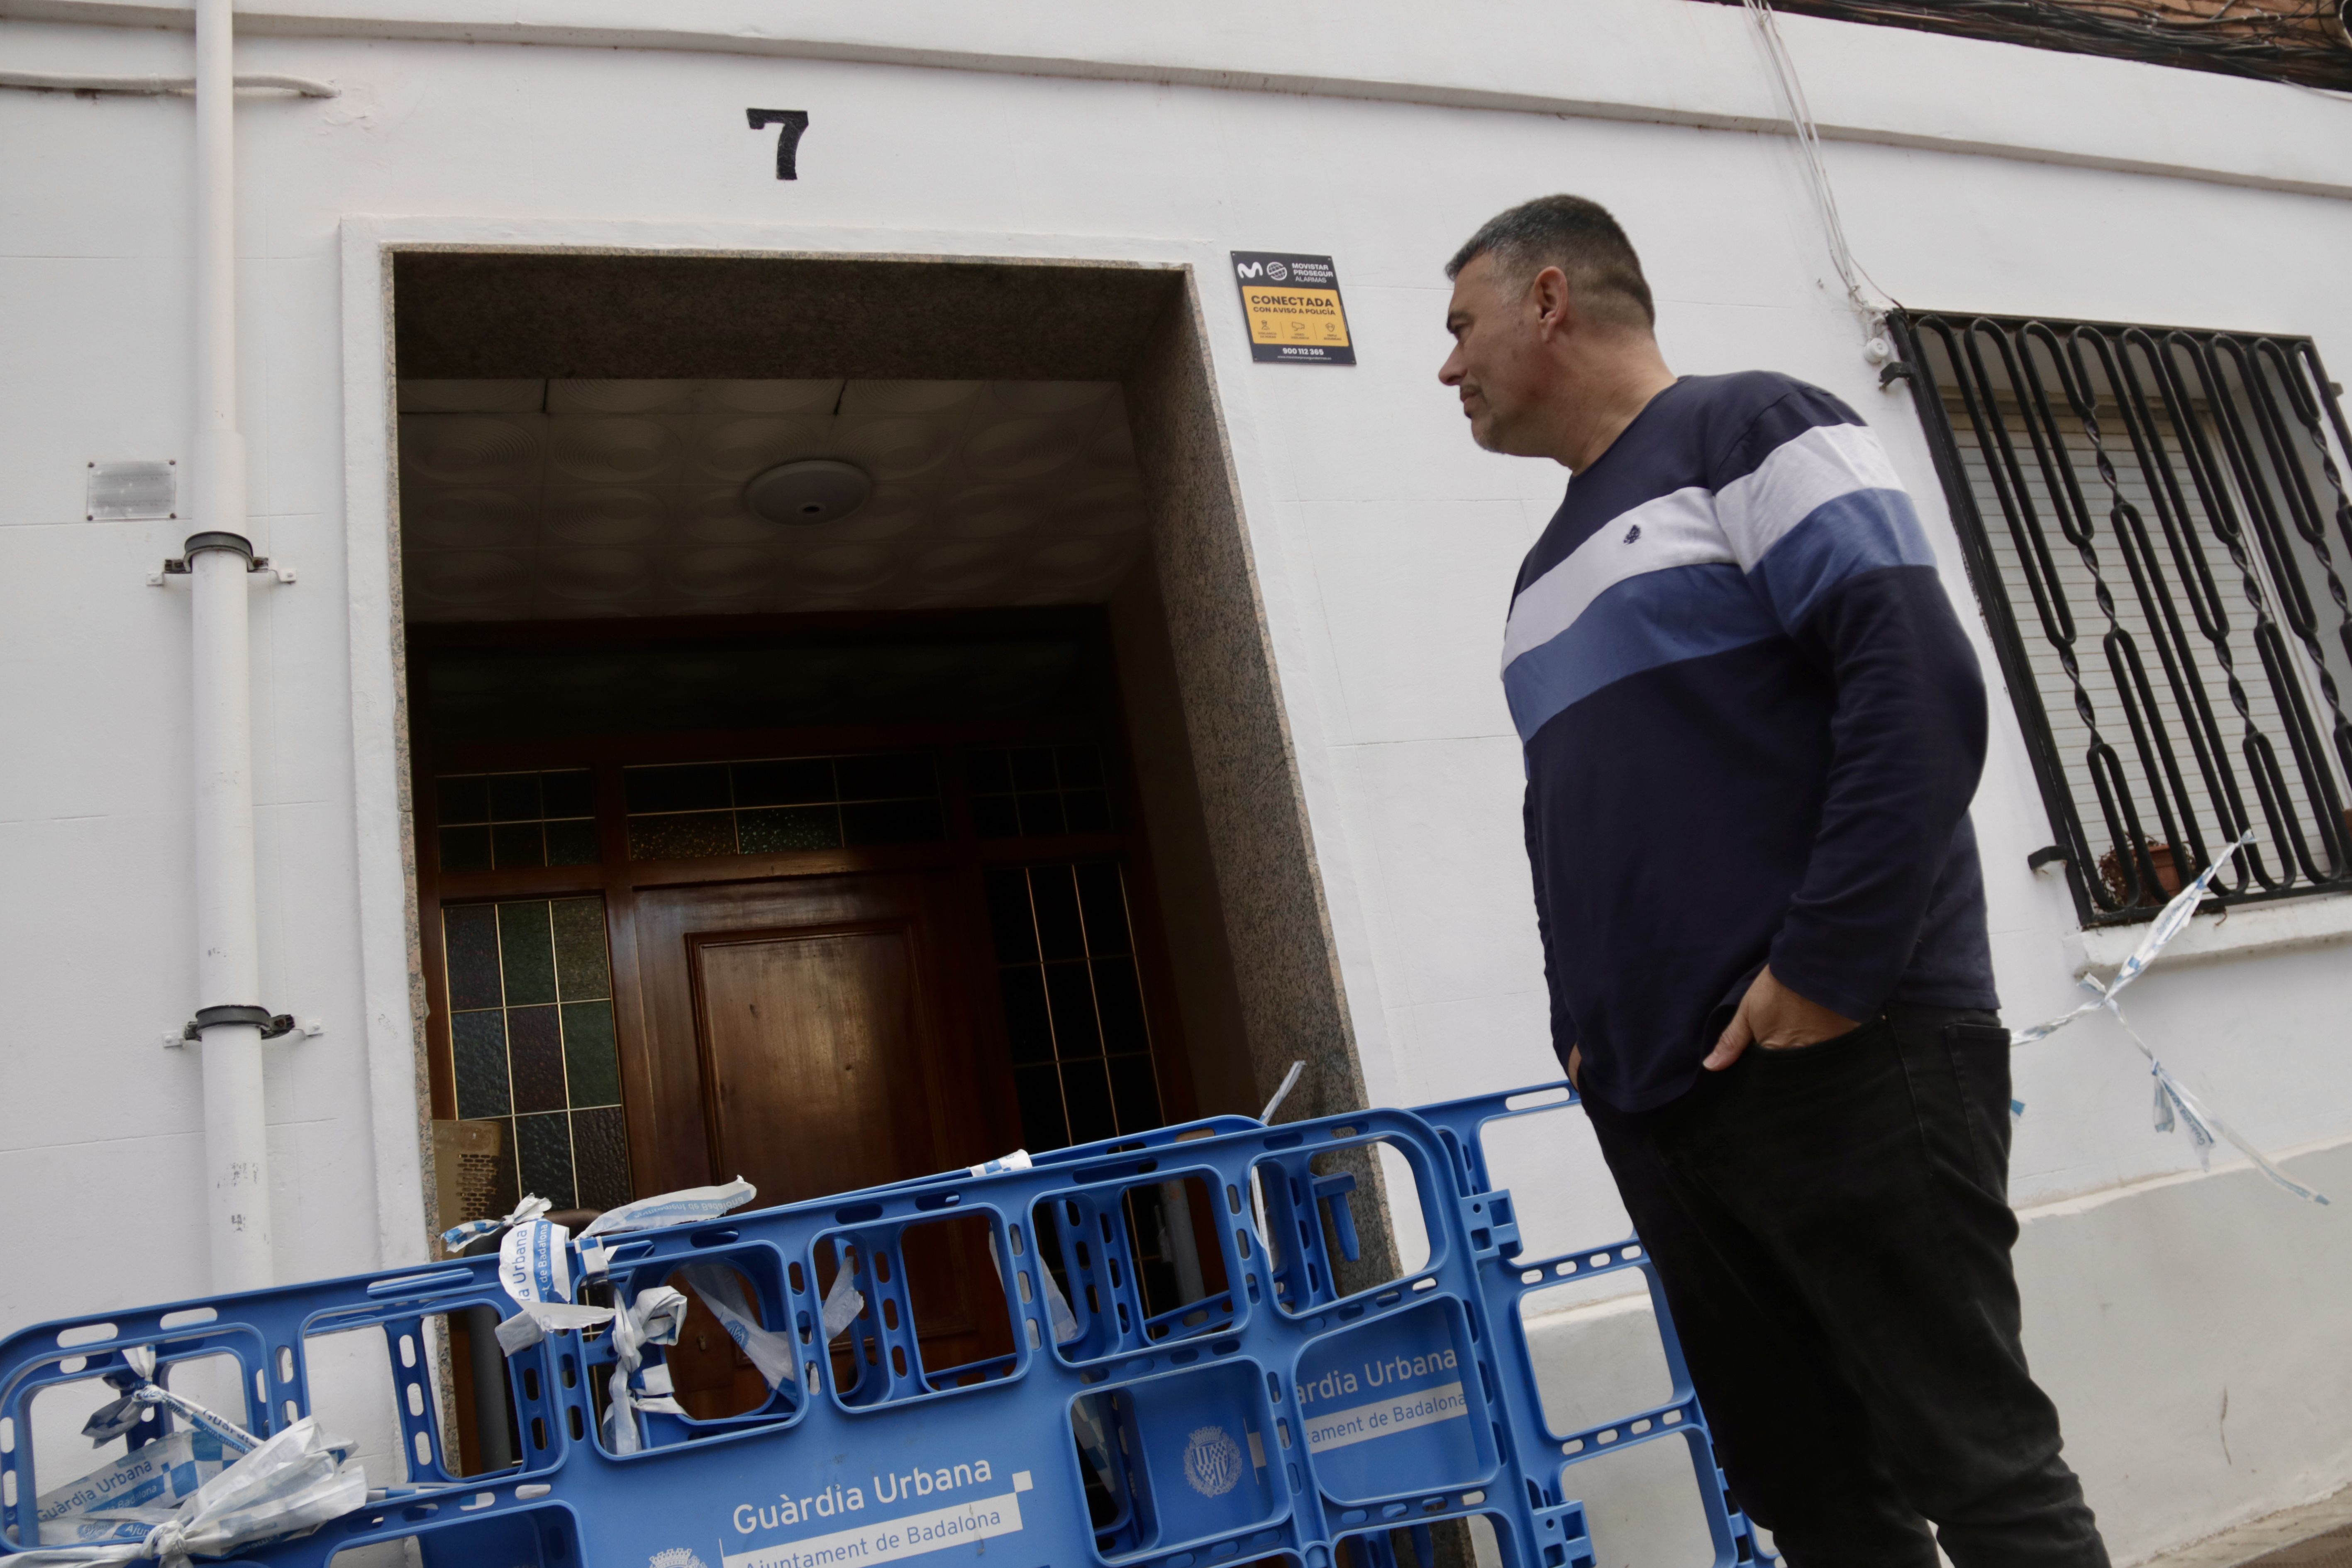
[{"x": 1862, "y": 290}]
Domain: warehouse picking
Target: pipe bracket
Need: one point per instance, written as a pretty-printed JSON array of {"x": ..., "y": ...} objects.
[
  {"x": 218, "y": 539},
  {"x": 273, "y": 1025}
]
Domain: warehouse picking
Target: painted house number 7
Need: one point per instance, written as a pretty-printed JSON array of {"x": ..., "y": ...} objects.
[{"x": 790, "y": 123}]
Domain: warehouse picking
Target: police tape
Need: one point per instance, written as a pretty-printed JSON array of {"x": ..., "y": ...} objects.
[
  {"x": 455, "y": 1238},
  {"x": 113, "y": 1420},
  {"x": 2175, "y": 1105},
  {"x": 294, "y": 1481}
]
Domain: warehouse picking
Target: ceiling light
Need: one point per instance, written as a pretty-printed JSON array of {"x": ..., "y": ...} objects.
[{"x": 816, "y": 489}]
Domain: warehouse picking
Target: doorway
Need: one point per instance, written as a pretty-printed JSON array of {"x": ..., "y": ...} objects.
[{"x": 848, "y": 854}]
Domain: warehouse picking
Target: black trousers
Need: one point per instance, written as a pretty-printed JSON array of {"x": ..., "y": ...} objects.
[{"x": 1831, "y": 1225}]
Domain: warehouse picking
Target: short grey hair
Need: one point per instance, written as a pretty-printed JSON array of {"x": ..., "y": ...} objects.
[{"x": 1582, "y": 240}]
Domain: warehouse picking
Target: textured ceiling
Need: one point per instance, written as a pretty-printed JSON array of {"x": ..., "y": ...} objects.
[
  {"x": 477, "y": 313},
  {"x": 557, "y": 499}
]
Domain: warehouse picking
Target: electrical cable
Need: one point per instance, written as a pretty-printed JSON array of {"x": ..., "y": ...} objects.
[{"x": 1873, "y": 301}]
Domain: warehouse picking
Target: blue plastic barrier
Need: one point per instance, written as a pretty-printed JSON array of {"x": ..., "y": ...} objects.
[
  {"x": 1505, "y": 1278},
  {"x": 1268, "y": 1412}
]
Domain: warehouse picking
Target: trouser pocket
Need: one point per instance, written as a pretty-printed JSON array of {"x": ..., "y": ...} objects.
[{"x": 1977, "y": 1049}]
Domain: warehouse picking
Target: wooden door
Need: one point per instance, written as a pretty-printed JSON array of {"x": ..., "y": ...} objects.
[
  {"x": 812, "y": 1056},
  {"x": 826, "y": 1031}
]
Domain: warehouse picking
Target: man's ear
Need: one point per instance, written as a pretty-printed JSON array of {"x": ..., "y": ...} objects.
[{"x": 1555, "y": 306}]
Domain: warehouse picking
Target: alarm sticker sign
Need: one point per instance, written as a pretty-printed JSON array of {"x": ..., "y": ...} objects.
[{"x": 1292, "y": 305}]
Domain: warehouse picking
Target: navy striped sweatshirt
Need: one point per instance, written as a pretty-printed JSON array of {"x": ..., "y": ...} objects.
[{"x": 1751, "y": 726}]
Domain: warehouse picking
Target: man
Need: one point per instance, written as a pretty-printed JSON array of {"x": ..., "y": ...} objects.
[{"x": 1751, "y": 726}]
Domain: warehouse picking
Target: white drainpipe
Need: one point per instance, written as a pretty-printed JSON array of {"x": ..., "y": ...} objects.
[{"x": 229, "y": 1021}]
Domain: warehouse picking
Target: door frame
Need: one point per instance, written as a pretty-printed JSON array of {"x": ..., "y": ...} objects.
[{"x": 1200, "y": 452}]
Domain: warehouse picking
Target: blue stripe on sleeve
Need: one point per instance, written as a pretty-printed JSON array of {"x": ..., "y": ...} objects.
[
  {"x": 1658, "y": 619},
  {"x": 1862, "y": 531},
  {"x": 1797, "y": 409}
]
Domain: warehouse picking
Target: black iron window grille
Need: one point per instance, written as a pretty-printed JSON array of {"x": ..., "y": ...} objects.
[{"x": 2152, "y": 519}]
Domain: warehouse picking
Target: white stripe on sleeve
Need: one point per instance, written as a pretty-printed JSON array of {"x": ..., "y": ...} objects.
[{"x": 1799, "y": 476}]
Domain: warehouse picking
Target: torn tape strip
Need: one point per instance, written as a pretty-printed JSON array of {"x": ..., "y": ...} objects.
[
  {"x": 843, "y": 1302},
  {"x": 535, "y": 1263},
  {"x": 2202, "y": 1125},
  {"x": 1064, "y": 1322},
  {"x": 113, "y": 1419},
  {"x": 689, "y": 1205},
  {"x": 1057, "y": 1308},
  {"x": 540, "y": 1318},
  {"x": 1289, "y": 1083},
  {"x": 457, "y": 1236},
  {"x": 292, "y": 1483},
  {"x": 653, "y": 1319},
  {"x": 2169, "y": 923},
  {"x": 721, "y": 1290}
]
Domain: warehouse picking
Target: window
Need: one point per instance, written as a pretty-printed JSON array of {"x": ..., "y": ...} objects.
[
  {"x": 703, "y": 809},
  {"x": 502, "y": 820},
  {"x": 530, "y": 1022},
  {"x": 2157, "y": 527},
  {"x": 1073, "y": 1006},
  {"x": 1037, "y": 791}
]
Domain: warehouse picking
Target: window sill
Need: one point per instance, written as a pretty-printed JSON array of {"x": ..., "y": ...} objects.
[{"x": 2262, "y": 929}]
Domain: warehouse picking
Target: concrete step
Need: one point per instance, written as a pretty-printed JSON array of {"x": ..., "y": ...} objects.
[{"x": 2317, "y": 1535}]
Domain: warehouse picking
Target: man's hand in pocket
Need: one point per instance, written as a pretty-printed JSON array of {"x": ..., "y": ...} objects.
[{"x": 1776, "y": 1019}]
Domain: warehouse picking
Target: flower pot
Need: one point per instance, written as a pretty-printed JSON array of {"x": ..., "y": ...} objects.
[{"x": 2169, "y": 880}]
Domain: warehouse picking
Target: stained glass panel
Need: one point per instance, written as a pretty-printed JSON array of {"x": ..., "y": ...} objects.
[
  {"x": 543, "y": 1149},
  {"x": 773, "y": 806},
  {"x": 464, "y": 849},
  {"x": 526, "y": 953},
  {"x": 470, "y": 933},
  {"x": 481, "y": 1040},
  {"x": 573, "y": 844},
  {"x": 535, "y": 1059},
  {"x": 1035, "y": 792},
  {"x": 592, "y": 1062},
  {"x": 685, "y": 835},
  {"x": 464, "y": 799},
  {"x": 494, "y": 821},
  {"x": 547, "y": 1070},
  {"x": 583, "y": 968},
  {"x": 773, "y": 830},
  {"x": 599, "y": 1157},
  {"x": 517, "y": 844}
]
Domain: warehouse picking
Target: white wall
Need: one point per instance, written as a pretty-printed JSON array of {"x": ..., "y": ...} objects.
[
  {"x": 2196, "y": 1391},
  {"x": 1386, "y": 542}
]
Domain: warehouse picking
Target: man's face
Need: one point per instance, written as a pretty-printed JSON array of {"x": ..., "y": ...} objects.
[{"x": 1498, "y": 363}]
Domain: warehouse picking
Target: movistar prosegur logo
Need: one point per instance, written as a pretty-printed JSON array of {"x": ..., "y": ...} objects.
[
  {"x": 675, "y": 1557},
  {"x": 1212, "y": 1461}
]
